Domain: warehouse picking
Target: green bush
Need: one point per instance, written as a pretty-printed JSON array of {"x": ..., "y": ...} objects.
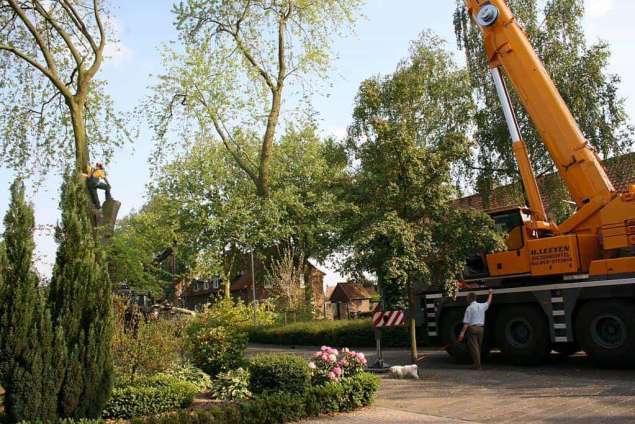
[
  {"x": 150, "y": 395},
  {"x": 279, "y": 373},
  {"x": 345, "y": 395},
  {"x": 217, "y": 349},
  {"x": 231, "y": 385},
  {"x": 354, "y": 333}
]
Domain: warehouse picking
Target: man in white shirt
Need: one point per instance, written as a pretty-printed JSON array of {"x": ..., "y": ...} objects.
[{"x": 474, "y": 325}]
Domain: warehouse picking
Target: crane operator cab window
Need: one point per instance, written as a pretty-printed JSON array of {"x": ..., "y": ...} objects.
[{"x": 511, "y": 223}]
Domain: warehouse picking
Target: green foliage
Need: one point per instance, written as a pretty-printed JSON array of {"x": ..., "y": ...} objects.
[
  {"x": 346, "y": 395},
  {"x": 358, "y": 333},
  {"x": 30, "y": 349},
  {"x": 47, "y": 116},
  {"x": 233, "y": 313},
  {"x": 272, "y": 373},
  {"x": 80, "y": 298},
  {"x": 150, "y": 395},
  {"x": 579, "y": 70},
  {"x": 189, "y": 373},
  {"x": 231, "y": 385},
  {"x": 217, "y": 349},
  {"x": 407, "y": 139},
  {"x": 238, "y": 60},
  {"x": 152, "y": 347},
  {"x": 137, "y": 240}
]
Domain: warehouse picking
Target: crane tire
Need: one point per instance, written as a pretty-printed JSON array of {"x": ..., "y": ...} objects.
[
  {"x": 522, "y": 334},
  {"x": 606, "y": 332}
]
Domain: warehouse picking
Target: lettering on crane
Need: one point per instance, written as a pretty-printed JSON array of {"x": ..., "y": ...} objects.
[{"x": 551, "y": 255}]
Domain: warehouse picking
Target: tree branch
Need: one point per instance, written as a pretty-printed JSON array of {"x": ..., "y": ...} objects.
[
  {"x": 44, "y": 70},
  {"x": 51, "y": 72},
  {"x": 65, "y": 36}
]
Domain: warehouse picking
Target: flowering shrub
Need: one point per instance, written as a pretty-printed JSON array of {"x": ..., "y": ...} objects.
[{"x": 330, "y": 365}]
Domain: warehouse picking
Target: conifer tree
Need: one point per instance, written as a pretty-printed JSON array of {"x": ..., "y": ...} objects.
[
  {"x": 30, "y": 351},
  {"x": 80, "y": 298}
]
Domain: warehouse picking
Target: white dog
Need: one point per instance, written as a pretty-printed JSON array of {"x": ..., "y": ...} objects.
[{"x": 406, "y": 371}]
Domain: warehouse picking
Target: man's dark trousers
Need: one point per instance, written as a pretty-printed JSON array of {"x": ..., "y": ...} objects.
[{"x": 475, "y": 335}]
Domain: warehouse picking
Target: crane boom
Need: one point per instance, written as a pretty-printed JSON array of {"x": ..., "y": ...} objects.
[
  {"x": 599, "y": 238},
  {"x": 508, "y": 48}
]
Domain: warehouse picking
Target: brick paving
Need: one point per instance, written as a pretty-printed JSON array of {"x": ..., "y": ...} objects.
[{"x": 567, "y": 391}]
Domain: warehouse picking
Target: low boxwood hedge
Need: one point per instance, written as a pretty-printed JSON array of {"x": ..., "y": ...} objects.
[
  {"x": 149, "y": 396},
  {"x": 353, "y": 333},
  {"x": 345, "y": 395},
  {"x": 278, "y": 373}
]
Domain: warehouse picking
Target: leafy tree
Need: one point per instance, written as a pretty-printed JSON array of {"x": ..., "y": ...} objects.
[
  {"x": 30, "y": 350},
  {"x": 217, "y": 214},
  {"x": 408, "y": 132},
  {"x": 138, "y": 239},
  {"x": 579, "y": 70},
  {"x": 238, "y": 59},
  {"x": 53, "y": 107},
  {"x": 80, "y": 298}
]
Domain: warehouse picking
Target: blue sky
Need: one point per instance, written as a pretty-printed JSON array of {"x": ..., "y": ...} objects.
[{"x": 380, "y": 41}]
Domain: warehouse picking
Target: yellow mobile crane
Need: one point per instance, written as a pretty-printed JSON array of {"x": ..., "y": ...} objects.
[{"x": 566, "y": 286}]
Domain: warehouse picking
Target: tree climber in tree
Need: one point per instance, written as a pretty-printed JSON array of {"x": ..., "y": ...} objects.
[{"x": 96, "y": 179}]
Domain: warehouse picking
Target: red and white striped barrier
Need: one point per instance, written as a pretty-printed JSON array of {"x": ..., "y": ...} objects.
[{"x": 389, "y": 318}]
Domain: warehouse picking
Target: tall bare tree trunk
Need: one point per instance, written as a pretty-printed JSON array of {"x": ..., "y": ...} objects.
[
  {"x": 82, "y": 157},
  {"x": 412, "y": 311}
]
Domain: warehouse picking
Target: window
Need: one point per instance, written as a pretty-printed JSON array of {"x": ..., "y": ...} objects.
[
  {"x": 206, "y": 285},
  {"x": 216, "y": 283},
  {"x": 302, "y": 282}
]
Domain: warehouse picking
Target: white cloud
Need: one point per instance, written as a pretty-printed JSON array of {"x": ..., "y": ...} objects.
[
  {"x": 598, "y": 8},
  {"x": 116, "y": 51},
  {"x": 339, "y": 133}
]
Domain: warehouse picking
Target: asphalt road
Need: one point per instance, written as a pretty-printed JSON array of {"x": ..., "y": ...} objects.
[{"x": 561, "y": 391}]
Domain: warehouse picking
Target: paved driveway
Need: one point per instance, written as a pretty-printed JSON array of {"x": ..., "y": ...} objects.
[{"x": 561, "y": 391}]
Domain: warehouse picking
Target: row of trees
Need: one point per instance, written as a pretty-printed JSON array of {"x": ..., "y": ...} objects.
[
  {"x": 242, "y": 181},
  {"x": 55, "y": 356}
]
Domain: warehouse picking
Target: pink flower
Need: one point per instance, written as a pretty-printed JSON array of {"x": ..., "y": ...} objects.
[
  {"x": 345, "y": 350},
  {"x": 317, "y": 354},
  {"x": 361, "y": 356},
  {"x": 331, "y": 376},
  {"x": 324, "y": 348},
  {"x": 312, "y": 365},
  {"x": 332, "y": 358},
  {"x": 325, "y": 357},
  {"x": 337, "y": 371}
]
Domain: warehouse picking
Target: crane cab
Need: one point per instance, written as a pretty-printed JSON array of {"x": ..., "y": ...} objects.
[{"x": 531, "y": 252}]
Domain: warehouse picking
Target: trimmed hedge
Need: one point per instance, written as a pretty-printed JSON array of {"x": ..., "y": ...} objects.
[
  {"x": 278, "y": 373},
  {"x": 346, "y": 395},
  {"x": 353, "y": 333},
  {"x": 148, "y": 396}
]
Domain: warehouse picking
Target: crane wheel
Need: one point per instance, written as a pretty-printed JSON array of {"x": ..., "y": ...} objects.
[
  {"x": 606, "y": 332},
  {"x": 450, "y": 327},
  {"x": 522, "y": 334}
]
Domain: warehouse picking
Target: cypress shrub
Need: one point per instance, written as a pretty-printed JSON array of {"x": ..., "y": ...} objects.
[
  {"x": 80, "y": 299},
  {"x": 30, "y": 350}
]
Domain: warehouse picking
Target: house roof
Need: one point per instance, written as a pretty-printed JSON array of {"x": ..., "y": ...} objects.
[
  {"x": 345, "y": 292},
  {"x": 329, "y": 292},
  {"x": 620, "y": 170}
]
